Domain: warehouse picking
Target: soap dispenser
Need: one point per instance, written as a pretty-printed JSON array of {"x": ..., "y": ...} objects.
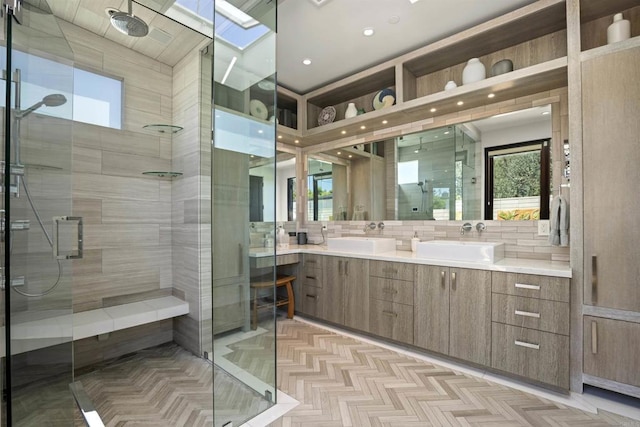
[
  {"x": 283, "y": 239},
  {"x": 414, "y": 241}
]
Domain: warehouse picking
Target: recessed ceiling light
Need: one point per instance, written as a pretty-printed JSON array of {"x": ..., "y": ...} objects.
[
  {"x": 416, "y": 151},
  {"x": 279, "y": 136},
  {"x": 491, "y": 95},
  {"x": 297, "y": 141},
  {"x": 460, "y": 103},
  {"x": 384, "y": 122},
  {"x": 394, "y": 19},
  {"x": 350, "y": 156},
  {"x": 413, "y": 1},
  {"x": 544, "y": 113},
  {"x": 446, "y": 133},
  {"x": 343, "y": 132},
  {"x": 339, "y": 152},
  {"x": 368, "y": 32},
  {"x": 363, "y": 127},
  {"x": 306, "y": 61},
  {"x": 260, "y": 131},
  {"x": 433, "y": 110}
]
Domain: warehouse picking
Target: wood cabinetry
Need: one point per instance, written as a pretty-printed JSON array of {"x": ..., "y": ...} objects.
[
  {"x": 470, "y": 315},
  {"x": 346, "y": 286},
  {"x": 610, "y": 111},
  {"x": 311, "y": 300},
  {"x": 431, "y": 314},
  {"x": 611, "y": 349},
  {"x": 453, "y": 312},
  {"x": 530, "y": 327},
  {"x": 391, "y": 300}
]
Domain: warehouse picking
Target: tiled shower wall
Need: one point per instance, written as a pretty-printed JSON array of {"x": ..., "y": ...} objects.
[{"x": 127, "y": 216}]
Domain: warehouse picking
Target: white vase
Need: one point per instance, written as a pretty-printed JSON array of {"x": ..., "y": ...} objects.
[
  {"x": 619, "y": 30},
  {"x": 474, "y": 71},
  {"x": 351, "y": 111},
  {"x": 450, "y": 85}
]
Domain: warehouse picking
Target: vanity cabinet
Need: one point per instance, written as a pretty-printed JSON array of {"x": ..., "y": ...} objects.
[
  {"x": 391, "y": 300},
  {"x": 346, "y": 286},
  {"x": 453, "y": 312},
  {"x": 530, "y": 327}
]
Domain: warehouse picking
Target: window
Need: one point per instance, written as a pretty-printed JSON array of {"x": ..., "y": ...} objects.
[
  {"x": 408, "y": 172},
  {"x": 517, "y": 181},
  {"x": 97, "y": 99}
]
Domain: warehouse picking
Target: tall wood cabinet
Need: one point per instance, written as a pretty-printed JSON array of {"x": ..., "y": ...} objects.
[
  {"x": 611, "y": 159},
  {"x": 611, "y": 146}
]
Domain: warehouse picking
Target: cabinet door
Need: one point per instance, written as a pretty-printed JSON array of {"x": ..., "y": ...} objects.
[
  {"x": 431, "y": 308},
  {"x": 333, "y": 295},
  {"x": 391, "y": 320},
  {"x": 610, "y": 160},
  {"x": 470, "y": 315},
  {"x": 356, "y": 293},
  {"x": 611, "y": 349}
]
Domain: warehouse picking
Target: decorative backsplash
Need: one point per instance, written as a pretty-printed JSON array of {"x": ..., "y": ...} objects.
[{"x": 520, "y": 237}]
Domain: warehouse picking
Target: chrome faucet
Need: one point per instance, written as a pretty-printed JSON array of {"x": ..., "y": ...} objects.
[
  {"x": 480, "y": 227},
  {"x": 381, "y": 225},
  {"x": 370, "y": 226},
  {"x": 466, "y": 227}
]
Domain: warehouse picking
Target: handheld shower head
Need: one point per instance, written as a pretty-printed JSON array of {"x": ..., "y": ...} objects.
[{"x": 53, "y": 100}]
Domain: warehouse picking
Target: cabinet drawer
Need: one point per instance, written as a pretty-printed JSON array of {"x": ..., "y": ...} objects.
[
  {"x": 392, "y": 270},
  {"x": 312, "y": 303},
  {"x": 391, "y": 320},
  {"x": 532, "y": 286},
  {"x": 540, "y": 356},
  {"x": 533, "y": 313},
  {"x": 400, "y": 291},
  {"x": 312, "y": 260},
  {"x": 312, "y": 277}
]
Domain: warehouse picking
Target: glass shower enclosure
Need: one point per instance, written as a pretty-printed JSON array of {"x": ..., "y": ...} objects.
[{"x": 38, "y": 239}]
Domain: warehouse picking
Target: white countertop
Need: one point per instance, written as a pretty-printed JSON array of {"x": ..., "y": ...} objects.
[{"x": 508, "y": 265}]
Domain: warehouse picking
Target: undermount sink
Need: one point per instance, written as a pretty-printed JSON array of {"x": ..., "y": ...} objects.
[
  {"x": 363, "y": 245},
  {"x": 486, "y": 252}
]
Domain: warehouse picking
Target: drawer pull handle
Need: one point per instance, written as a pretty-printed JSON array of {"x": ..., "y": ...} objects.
[
  {"x": 312, "y": 296},
  {"x": 390, "y": 313},
  {"x": 442, "y": 282},
  {"x": 594, "y": 337},
  {"x": 311, "y": 277},
  {"x": 527, "y": 344},
  {"x": 594, "y": 279},
  {"x": 453, "y": 281},
  {"x": 525, "y": 286},
  {"x": 527, "y": 314},
  {"x": 390, "y": 270},
  {"x": 390, "y": 291}
]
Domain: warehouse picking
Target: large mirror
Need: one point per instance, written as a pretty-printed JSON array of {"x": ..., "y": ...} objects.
[
  {"x": 494, "y": 168},
  {"x": 263, "y": 179}
]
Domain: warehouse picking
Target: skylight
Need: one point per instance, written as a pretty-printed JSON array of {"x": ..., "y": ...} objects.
[{"x": 233, "y": 26}]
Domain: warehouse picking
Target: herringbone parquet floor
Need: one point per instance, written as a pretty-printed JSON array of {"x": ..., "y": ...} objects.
[{"x": 341, "y": 381}]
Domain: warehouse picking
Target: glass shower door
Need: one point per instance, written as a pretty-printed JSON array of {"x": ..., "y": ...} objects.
[{"x": 39, "y": 237}]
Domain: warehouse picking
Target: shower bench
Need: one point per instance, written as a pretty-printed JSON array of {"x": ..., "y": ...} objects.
[{"x": 53, "y": 330}]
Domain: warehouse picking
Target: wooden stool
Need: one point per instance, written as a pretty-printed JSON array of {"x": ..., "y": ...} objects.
[{"x": 257, "y": 304}]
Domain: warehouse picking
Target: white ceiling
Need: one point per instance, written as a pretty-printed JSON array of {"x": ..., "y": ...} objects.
[{"x": 331, "y": 34}]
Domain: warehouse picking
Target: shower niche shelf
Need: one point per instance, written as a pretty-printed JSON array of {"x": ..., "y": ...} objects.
[
  {"x": 163, "y": 174},
  {"x": 161, "y": 128}
]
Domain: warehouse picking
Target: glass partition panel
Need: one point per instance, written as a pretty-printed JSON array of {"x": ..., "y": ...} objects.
[
  {"x": 39, "y": 240},
  {"x": 243, "y": 295}
]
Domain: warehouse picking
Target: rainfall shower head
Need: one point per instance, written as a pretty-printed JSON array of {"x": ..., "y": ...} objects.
[
  {"x": 127, "y": 23},
  {"x": 53, "y": 100}
]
